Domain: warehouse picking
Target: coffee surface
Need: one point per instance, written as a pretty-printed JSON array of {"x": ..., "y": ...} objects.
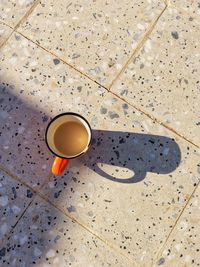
[{"x": 71, "y": 138}]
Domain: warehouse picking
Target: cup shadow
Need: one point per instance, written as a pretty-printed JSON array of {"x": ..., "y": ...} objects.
[{"x": 138, "y": 153}]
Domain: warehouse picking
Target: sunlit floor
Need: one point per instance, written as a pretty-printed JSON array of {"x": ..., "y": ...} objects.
[{"x": 131, "y": 68}]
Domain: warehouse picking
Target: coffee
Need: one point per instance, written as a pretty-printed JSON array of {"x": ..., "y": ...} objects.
[{"x": 71, "y": 138}]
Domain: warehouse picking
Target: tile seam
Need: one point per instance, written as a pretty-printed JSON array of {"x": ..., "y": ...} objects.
[
  {"x": 138, "y": 48},
  {"x": 82, "y": 225},
  {"x": 110, "y": 91},
  {"x": 153, "y": 118},
  {"x": 27, "y": 14},
  {"x": 160, "y": 250}
]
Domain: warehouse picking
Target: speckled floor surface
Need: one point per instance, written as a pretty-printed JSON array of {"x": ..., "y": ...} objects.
[{"x": 132, "y": 69}]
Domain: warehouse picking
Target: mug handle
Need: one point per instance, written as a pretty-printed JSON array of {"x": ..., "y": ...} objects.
[{"x": 59, "y": 165}]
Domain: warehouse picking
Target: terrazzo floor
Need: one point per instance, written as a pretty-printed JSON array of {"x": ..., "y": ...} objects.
[{"x": 132, "y": 68}]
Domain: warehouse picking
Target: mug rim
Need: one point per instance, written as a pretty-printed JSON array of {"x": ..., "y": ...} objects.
[{"x": 60, "y": 115}]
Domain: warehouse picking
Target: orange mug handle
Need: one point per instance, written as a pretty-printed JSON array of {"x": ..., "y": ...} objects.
[{"x": 59, "y": 165}]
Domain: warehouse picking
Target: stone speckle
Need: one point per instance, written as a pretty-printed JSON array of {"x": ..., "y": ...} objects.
[
  {"x": 29, "y": 194},
  {"x": 71, "y": 209},
  {"x": 161, "y": 261},
  {"x": 171, "y": 73},
  {"x": 95, "y": 39},
  {"x": 174, "y": 35},
  {"x": 2, "y": 252},
  {"x": 147, "y": 171},
  {"x": 32, "y": 99},
  {"x": 13, "y": 201},
  {"x": 38, "y": 243},
  {"x": 56, "y": 61},
  {"x": 137, "y": 177}
]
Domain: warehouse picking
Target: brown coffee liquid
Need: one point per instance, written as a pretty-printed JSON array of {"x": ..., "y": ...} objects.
[{"x": 71, "y": 138}]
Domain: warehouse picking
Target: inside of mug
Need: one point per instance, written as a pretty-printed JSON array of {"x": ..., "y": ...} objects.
[{"x": 59, "y": 121}]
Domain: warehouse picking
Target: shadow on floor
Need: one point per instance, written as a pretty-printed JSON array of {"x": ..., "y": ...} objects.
[
  {"x": 23, "y": 152},
  {"x": 22, "y": 129},
  {"x": 139, "y": 153},
  {"x": 133, "y": 152}
]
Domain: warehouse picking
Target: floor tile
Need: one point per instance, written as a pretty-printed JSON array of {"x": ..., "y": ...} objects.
[
  {"x": 192, "y": 6},
  {"x": 34, "y": 87},
  {"x": 45, "y": 237},
  {"x": 12, "y": 11},
  {"x": 5, "y": 31},
  {"x": 132, "y": 184},
  {"x": 14, "y": 198},
  {"x": 182, "y": 248},
  {"x": 97, "y": 37},
  {"x": 163, "y": 79}
]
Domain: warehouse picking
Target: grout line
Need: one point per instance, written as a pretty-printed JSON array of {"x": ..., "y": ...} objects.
[
  {"x": 4, "y": 23},
  {"x": 107, "y": 89},
  {"x": 176, "y": 222},
  {"x": 5, "y": 170},
  {"x": 85, "y": 227},
  {"x": 19, "y": 219},
  {"x": 38, "y": 193},
  {"x": 139, "y": 109},
  {"x": 109, "y": 244},
  {"x": 36, "y": 2},
  {"x": 6, "y": 39},
  {"x": 156, "y": 120},
  {"x": 33, "y": 198},
  {"x": 8, "y": 235},
  {"x": 21, "y": 21},
  {"x": 53, "y": 54},
  {"x": 139, "y": 46},
  {"x": 62, "y": 60}
]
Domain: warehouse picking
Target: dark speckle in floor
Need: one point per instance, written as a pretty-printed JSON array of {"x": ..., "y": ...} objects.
[
  {"x": 56, "y": 61},
  {"x": 71, "y": 209},
  {"x": 14, "y": 192},
  {"x": 2, "y": 252},
  {"x": 103, "y": 110},
  {"x": 29, "y": 194},
  {"x": 45, "y": 118},
  {"x": 161, "y": 261},
  {"x": 113, "y": 115},
  {"x": 175, "y": 35}
]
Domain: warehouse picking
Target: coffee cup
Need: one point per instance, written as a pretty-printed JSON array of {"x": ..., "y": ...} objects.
[{"x": 68, "y": 136}]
